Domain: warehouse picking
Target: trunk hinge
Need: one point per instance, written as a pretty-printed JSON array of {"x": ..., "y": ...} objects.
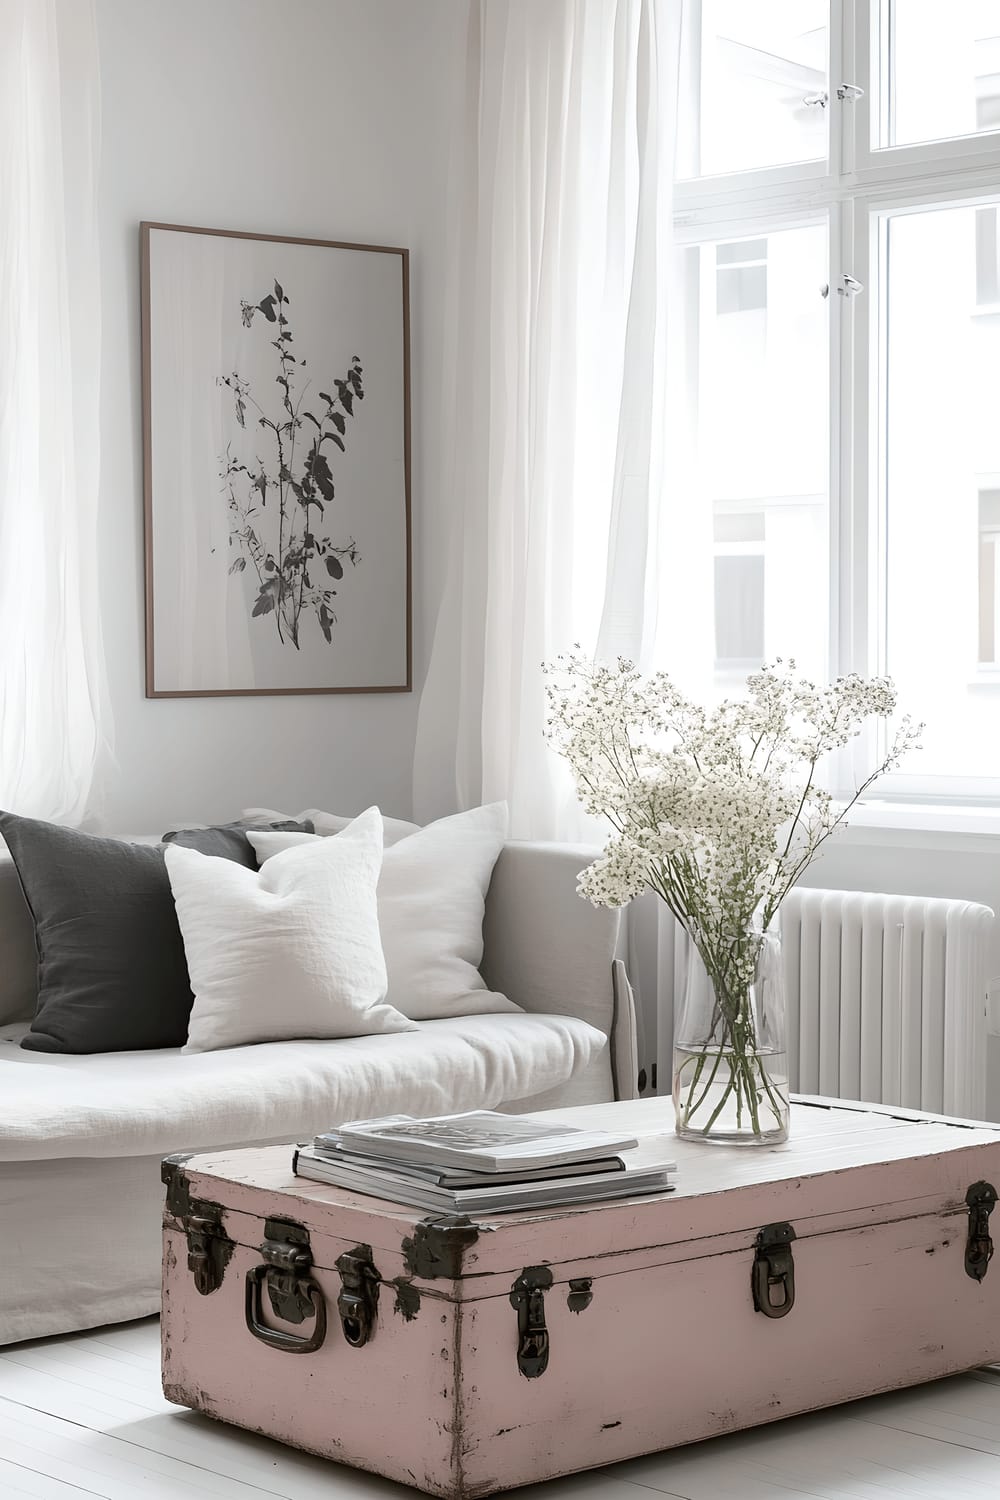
[
  {"x": 527, "y": 1295},
  {"x": 772, "y": 1279},
  {"x": 981, "y": 1198}
]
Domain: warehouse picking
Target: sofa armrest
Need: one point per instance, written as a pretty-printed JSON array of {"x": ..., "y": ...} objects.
[{"x": 545, "y": 947}]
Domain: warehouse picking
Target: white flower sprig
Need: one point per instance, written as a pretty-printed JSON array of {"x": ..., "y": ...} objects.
[{"x": 718, "y": 811}]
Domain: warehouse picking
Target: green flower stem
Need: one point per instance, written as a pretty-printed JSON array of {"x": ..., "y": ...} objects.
[
  {"x": 690, "y": 1108},
  {"x": 748, "y": 1077}
]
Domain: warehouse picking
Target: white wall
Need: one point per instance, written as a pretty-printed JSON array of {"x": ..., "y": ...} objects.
[{"x": 325, "y": 118}]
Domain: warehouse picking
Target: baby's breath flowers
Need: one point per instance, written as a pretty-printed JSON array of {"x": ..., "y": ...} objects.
[{"x": 716, "y": 810}]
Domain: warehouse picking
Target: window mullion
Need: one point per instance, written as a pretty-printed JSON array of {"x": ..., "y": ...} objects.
[
  {"x": 854, "y": 530},
  {"x": 867, "y": 318},
  {"x": 839, "y": 468},
  {"x": 839, "y": 69},
  {"x": 857, "y": 432}
]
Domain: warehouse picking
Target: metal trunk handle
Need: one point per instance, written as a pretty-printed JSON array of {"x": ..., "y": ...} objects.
[
  {"x": 294, "y": 1294},
  {"x": 291, "y": 1343}
]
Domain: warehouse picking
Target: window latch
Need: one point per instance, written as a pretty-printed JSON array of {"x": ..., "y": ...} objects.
[
  {"x": 845, "y": 92},
  {"x": 848, "y": 286}
]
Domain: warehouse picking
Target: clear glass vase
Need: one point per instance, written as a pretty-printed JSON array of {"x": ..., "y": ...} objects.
[{"x": 730, "y": 1060}]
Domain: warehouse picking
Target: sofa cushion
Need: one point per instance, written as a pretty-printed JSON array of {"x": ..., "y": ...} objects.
[
  {"x": 111, "y": 969},
  {"x": 327, "y": 823},
  {"x": 292, "y": 950},
  {"x": 229, "y": 840},
  {"x": 431, "y": 904},
  {"x": 139, "y": 1103}
]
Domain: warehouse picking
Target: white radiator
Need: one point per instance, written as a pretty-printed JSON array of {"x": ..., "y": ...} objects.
[{"x": 886, "y": 998}]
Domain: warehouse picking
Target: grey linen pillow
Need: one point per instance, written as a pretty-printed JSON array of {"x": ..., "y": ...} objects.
[
  {"x": 229, "y": 840},
  {"x": 112, "y": 976},
  {"x": 111, "y": 970}
]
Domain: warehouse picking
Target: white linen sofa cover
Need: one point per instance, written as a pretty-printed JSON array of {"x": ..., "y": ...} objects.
[
  {"x": 81, "y": 1138},
  {"x": 140, "y": 1103}
]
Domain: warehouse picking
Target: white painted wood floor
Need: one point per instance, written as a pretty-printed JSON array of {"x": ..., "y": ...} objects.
[{"x": 83, "y": 1416}]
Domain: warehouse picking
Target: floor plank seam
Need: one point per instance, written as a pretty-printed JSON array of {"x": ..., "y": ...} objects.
[
  {"x": 114, "y": 1437},
  {"x": 927, "y": 1438},
  {"x": 64, "y": 1483}
]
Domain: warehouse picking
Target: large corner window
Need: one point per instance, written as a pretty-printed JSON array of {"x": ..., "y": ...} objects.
[{"x": 838, "y": 251}]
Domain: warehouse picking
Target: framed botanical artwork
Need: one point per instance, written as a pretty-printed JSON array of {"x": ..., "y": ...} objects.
[{"x": 276, "y": 429}]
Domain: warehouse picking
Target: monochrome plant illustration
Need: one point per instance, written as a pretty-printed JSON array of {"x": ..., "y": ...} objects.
[{"x": 279, "y": 502}]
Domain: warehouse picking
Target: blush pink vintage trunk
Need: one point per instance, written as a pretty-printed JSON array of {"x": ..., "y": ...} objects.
[{"x": 467, "y": 1358}]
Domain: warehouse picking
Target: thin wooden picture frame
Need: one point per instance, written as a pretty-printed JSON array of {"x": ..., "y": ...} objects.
[{"x": 308, "y": 623}]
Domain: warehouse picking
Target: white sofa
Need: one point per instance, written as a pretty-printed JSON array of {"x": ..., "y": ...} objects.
[{"x": 82, "y": 1137}]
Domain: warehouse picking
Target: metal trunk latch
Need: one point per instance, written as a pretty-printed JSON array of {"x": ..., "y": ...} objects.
[
  {"x": 981, "y": 1198},
  {"x": 527, "y": 1295},
  {"x": 209, "y": 1247},
  {"x": 773, "y": 1277},
  {"x": 294, "y": 1294},
  {"x": 357, "y": 1303}
]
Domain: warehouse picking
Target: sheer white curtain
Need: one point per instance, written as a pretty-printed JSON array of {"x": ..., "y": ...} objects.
[
  {"x": 567, "y": 472},
  {"x": 50, "y": 683}
]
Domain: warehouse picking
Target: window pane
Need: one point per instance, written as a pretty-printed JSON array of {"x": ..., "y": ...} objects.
[
  {"x": 942, "y": 477},
  {"x": 757, "y": 368},
  {"x": 989, "y": 557},
  {"x": 739, "y": 612},
  {"x": 987, "y": 266},
  {"x": 940, "y": 69},
  {"x": 749, "y": 66}
]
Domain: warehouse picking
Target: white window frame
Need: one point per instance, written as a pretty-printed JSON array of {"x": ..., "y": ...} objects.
[
  {"x": 855, "y": 191},
  {"x": 988, "y": 673}
]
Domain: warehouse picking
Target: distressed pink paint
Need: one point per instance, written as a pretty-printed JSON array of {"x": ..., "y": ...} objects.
[{"x": 669, "y": 1349}]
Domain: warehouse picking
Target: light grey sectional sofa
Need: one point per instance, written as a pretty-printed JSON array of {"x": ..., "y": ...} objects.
[{"x": 82, "y": 1137}]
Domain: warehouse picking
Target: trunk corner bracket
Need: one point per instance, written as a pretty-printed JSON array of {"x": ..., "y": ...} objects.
[
  {"x": 438, "y": 1244},
  {"x": 177, "y": 1184}
]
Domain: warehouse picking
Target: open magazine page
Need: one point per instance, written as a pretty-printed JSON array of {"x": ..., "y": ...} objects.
[{"x": 482, "y": 1139}]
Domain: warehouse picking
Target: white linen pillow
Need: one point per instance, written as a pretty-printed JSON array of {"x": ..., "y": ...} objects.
[
  {"x": 431, "y": 902},
  {"x": 325, "y": 823},
  {"x": 289, "y": 951}
]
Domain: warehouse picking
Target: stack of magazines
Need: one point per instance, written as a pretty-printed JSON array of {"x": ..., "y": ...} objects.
[{"x": 481, "y": 1162}]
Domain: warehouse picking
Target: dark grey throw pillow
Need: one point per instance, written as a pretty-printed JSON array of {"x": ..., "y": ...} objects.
[
  {"x": 229, "y": 840},
  {"x": 112, "y": 976},
  {"x": 111, "y": 970}
]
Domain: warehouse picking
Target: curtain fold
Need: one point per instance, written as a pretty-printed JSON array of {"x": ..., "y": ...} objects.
[
  {"x": 52, "y": 719},
  {"x": 565, "y": 475}
]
